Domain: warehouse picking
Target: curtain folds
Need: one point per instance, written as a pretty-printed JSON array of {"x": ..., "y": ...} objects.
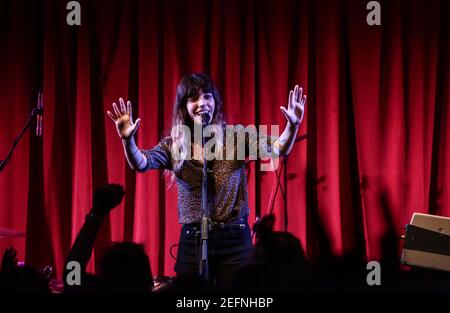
[{"x": 377, "y": 115}]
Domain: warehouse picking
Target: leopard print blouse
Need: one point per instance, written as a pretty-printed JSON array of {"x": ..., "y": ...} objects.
[{"x": 227, "y": 179}]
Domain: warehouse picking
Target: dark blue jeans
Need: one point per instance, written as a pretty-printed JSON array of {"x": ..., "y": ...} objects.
[{"x": 229, "y": 249}]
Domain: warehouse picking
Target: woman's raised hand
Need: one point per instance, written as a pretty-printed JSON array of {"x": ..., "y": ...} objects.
[
  {"x": 296, "y": 106},
  {"x": 123, "y": 119}
]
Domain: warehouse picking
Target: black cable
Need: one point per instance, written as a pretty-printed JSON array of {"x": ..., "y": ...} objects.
[
  {"x": 170, "y": 251},
  {"x": 271, "y": 205}
]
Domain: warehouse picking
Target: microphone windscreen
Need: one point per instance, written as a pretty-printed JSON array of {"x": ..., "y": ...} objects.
[{"x": 205, "y": 118}]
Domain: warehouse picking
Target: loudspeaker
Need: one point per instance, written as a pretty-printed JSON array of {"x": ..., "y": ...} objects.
[{"x": 427, "y": 242}]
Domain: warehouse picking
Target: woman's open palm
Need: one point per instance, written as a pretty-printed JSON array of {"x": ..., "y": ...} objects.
[
  {"x": 123, "y": 119},
  {"x": 296, "y": 106}
]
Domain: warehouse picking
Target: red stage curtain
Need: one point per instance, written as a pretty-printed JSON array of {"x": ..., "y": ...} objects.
[{"x": 377, "y": 115}]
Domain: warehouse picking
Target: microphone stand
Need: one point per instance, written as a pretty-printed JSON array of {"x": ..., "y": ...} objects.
[
  {"x": 37, "y": 110},
  {"x": 204, "y": 264}
]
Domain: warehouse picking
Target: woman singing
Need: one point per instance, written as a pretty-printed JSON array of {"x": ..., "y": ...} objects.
[{"x": 229, "y": 238}]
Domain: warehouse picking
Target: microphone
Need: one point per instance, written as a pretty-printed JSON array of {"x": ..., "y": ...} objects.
[
  {"x": 205, "y": 119},
  {"x": 39, "y": 110}
]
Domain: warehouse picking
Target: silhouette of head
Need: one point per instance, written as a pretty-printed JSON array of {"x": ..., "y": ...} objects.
[
  {"x": 280, "y": 254},
  {"x": 126, "y": 266}
]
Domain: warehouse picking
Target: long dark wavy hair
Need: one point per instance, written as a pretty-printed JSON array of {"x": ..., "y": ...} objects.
[{"x": 190, "y": 87}]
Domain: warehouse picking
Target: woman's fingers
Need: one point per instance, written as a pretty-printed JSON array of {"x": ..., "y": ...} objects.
[
  {"x": 303, "y": 100},
  {"x": 116, "y": 110},
  {"x": 111, "y": 116},
  {"x": 299, "y": 99},
  {"x": 285, "y": 112},
  {"x": 123, "y": 110},
  {"x": 299, "y": 94},
  {"x": 295, "y": 94},
  {"x": 129, "y": 107},
  {"x": 122, "y": 106},
  {"x": 136, "y": 125},
  {"x": 129, "y": 111},
  {"x": 290, "y": 101}
]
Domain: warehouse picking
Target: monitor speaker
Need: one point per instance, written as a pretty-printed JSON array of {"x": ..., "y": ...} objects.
[{"x": 427, "y": 242}]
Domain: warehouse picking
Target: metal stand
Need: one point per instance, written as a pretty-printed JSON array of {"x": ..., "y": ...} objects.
[
  {"x": 284, "y": 193},
  {"x": 38, "y": 110},
  {"x": 204, "y": 264}
]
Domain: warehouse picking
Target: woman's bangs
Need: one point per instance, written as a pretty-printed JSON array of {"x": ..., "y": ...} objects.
[{"x": 193, "y": 92}]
